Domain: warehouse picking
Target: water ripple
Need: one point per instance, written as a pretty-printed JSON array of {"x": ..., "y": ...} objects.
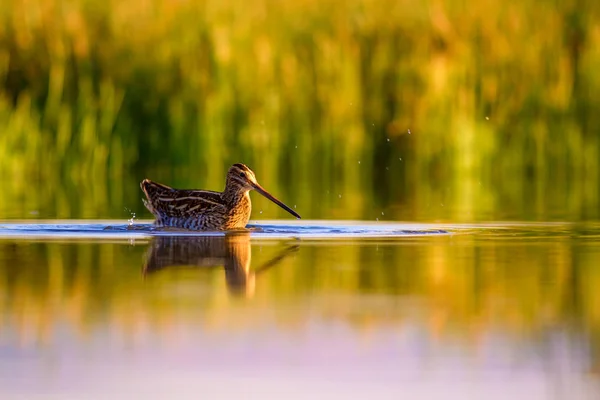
[{"x": 270, "y": 229}]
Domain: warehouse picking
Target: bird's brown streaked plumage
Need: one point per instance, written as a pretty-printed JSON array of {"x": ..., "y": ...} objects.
[{"x": 205, "y": 209}]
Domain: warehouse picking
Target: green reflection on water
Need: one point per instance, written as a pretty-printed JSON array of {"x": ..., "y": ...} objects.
[
  {"x": 182, "y": 312},
  {"x": 461, "y": 286}
]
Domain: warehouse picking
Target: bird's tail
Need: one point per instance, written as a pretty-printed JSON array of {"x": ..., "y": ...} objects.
[{"x": 152, "y": 190}]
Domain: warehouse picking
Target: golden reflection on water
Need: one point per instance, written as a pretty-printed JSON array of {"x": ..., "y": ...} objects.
[{"x": 462, "y": 291}]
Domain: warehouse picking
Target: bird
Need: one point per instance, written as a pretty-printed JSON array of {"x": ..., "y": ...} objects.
[{"x": 205, "y": 210}]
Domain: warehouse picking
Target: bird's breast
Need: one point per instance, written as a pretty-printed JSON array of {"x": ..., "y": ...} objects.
[{"x": 239, "y": 214}]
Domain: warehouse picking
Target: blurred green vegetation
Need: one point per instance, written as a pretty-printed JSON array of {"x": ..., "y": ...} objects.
[
  {"x": 318, "y": 97},
  {"x": 464, "y": 287}
]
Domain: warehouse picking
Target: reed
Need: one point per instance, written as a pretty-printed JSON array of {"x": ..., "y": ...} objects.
[{"x": 499, "y": 100}]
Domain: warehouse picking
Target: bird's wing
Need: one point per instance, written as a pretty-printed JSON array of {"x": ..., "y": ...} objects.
[{"x": 164, "y": 201}]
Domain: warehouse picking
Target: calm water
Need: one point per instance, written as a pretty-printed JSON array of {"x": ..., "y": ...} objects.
[{"x": 318, "y": 309}]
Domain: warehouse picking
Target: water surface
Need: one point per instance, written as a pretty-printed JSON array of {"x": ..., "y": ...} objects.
[{"x": 317, "y": 309}]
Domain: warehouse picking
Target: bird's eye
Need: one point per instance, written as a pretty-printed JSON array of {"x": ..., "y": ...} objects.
[{"x": 243, "y": 174}]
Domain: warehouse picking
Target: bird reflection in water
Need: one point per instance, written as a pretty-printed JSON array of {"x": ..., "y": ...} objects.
[{"x": 232, "y": 251}]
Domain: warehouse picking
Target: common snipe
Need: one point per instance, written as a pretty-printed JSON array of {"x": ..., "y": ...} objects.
[{"x": 204, "y": 209}]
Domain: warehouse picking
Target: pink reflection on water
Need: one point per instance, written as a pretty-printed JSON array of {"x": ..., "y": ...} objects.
[{"x": 323, "y": 360}]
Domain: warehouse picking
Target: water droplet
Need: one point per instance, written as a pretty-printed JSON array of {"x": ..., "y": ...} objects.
[
  {"x": 260, "y": 212},
  {"x": 359, "y": 161},
  {"x": 409, "y": 131},
  {"x": 400, "y": 159},
  {"x": 388, "y": 139},
  {"x": 340, "y": 196},
  {"x": 387, "y": 168},
  {"x": 131, "y": 220},
  {"x": 382, "y": 213},
  {"x": 296, "y": 146},
  {"x": 294, "y": 206},
  {"x": 487, "y": 118}
]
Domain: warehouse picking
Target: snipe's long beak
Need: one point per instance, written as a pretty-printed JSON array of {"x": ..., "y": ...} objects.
[{"x": 262, "y": 191}]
